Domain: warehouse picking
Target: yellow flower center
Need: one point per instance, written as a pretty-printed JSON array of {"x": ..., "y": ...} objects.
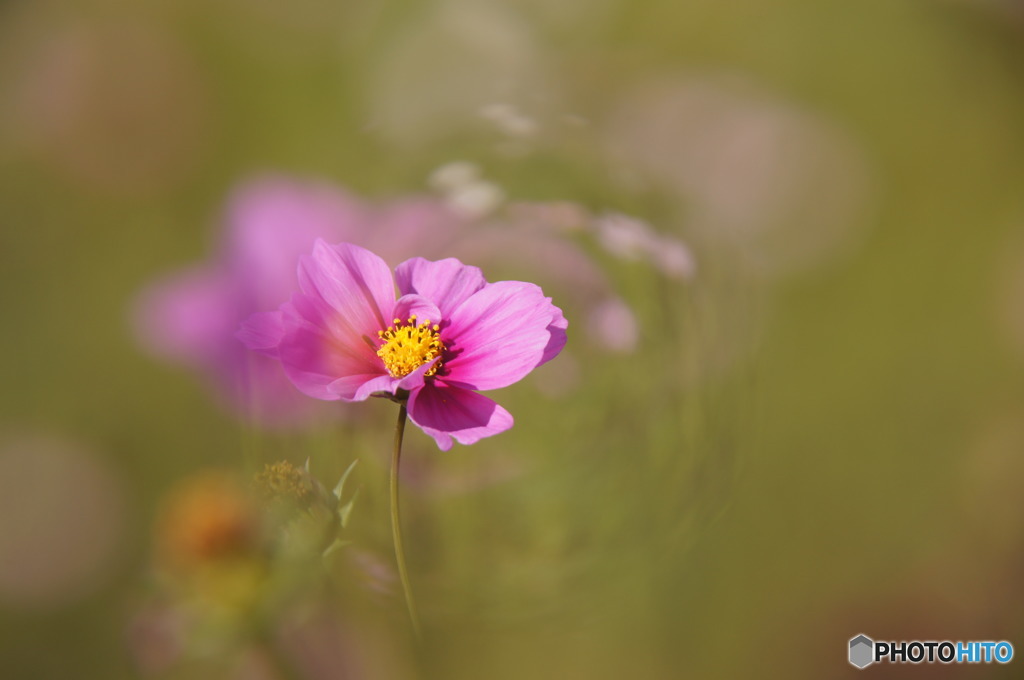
[{"x": 408, "y": 346}]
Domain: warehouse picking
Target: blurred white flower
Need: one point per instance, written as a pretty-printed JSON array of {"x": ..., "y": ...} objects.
[
  {"x": 464, "y": 191},
  {"x": 476, "y": 199},
  {"x": 782, "y": 189},
  {"x": 509, "y": 120},
  {"x": 453, "y": 176},
  {"x": 626, "y": 237}
]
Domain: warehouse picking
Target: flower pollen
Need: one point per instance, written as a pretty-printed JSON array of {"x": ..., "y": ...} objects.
[
  {"x": 283, "y": 481},
  {"x": 408, "y": 346}
]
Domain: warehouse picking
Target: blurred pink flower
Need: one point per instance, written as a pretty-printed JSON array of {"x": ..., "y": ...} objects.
[
  {"x": 191, "y": 316},
  {"x": 453, "y": 333},
  {"x": 614, "y": 321}
]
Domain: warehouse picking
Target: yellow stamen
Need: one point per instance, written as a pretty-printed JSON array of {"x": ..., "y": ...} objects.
[{"x": 408, "y": 346}]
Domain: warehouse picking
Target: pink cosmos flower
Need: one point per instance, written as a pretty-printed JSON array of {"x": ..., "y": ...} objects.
[
  {"x": 450, "y": 333},
  {"x": 190, "y": 317}
]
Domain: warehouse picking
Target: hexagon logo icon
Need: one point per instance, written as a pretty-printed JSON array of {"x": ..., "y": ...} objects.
[{"x": 862, "y": 651}]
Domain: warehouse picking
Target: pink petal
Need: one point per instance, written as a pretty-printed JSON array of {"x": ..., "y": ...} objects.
[
  {"x": 386, "y": 383},
  {"x": 418, "y": 306},
  {"x": 500, "y": 334},
  {"x": 262, "y": 332},
  {"x": 355, "y": 283},
  {"x": 313, "y": 367},
  {"x": 559, "y": 324},
  {"x": 321, "y": 355},
  {"x": 362, "y": 387},
  {"x": 448, "y": 283},
  {"x": 271, "y": 221},
  {"x": 446, "y": 413}
]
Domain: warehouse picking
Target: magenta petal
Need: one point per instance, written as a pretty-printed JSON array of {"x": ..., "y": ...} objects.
[
  {"x": 446, "y": 413},
  {"x": 415, "y": 380},
  {"x": 355, "y": 283},
  {"x": 262, "y": 332},
  {"x": 448, "y": 282},
  {"x": 384, "y": 383},
  {"x": 418, "y": 306},
  {"x": 318, "y": 353},
  {"x": 310, "y": 369},
  {"x": 500, "y": 334},
  {"x": 557, "y": 329},
  {"x": 378, "y": 383}
]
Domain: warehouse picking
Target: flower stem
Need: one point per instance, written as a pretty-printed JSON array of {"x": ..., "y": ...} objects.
[{"x": 396, "y": 527}]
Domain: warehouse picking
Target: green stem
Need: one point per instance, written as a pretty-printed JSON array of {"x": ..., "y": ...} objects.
[{"x": 396, "y": 527}]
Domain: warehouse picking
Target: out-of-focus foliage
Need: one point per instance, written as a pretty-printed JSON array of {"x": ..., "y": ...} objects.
[{"x": 789, "y": 411}]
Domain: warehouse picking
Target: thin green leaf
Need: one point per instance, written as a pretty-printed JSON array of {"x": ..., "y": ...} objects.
[
  {"x": 334, "y": 547},
  {"x": 345, "y": 510},
  {"x": 340, "y": 486}
]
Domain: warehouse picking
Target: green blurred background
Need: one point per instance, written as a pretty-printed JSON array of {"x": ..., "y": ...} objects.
[{"x": 818, "y": 435}]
